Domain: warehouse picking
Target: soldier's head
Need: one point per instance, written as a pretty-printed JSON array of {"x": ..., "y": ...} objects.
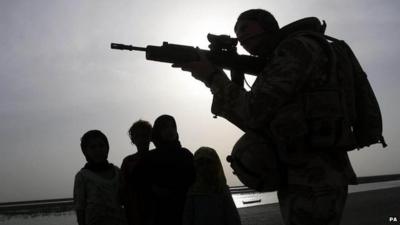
[
  {"x": 256, "y": 30},
  {"x": 140, "y": 135}
]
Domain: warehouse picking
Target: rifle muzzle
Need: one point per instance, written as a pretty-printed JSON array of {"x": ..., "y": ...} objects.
[{"x": 126, "y": 47}]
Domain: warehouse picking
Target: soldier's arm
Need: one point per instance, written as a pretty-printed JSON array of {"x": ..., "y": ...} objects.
[{"x": 280, "y": 81}]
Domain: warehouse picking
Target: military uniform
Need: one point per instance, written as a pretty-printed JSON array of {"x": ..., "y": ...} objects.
[{"x": 314, "y": 187}]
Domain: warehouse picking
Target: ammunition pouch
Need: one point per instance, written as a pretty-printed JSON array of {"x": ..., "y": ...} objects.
[{"x": 327, "y": 121}]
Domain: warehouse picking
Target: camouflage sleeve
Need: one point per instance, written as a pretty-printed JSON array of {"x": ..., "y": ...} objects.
[{"x": 280, "y": 81}]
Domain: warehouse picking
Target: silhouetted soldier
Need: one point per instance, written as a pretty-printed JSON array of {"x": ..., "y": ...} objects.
[
  {"x": 171, "y": 171},
  {"x": 136, "y": 194},
  {"x": 314, "y": 183}
]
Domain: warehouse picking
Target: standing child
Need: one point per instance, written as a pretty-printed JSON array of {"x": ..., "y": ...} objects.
[
  {"x": 137, "y": 196},
  {"x": 96, "y": 188},
  {"x": 209, "y": 201},
  {"x": 171, "y": 172}
]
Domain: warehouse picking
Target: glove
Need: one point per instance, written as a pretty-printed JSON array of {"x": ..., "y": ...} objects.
[{"x": 202, "y": 69}]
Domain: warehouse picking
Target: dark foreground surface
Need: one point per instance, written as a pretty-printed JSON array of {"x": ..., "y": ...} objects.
[{"x": 362, "y": 208}]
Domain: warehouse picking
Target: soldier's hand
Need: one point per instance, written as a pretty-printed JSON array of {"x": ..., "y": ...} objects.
[{"x": 202, "y": 70}]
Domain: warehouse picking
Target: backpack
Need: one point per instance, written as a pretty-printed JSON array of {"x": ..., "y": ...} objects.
[
  {"x": 363, "y": 109},
  {"x": 361, "y": 125},
  {"x": 347, "y": 86}
]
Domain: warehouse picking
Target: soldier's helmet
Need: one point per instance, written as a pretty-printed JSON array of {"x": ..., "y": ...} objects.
[{"x": 255, "y": 162}]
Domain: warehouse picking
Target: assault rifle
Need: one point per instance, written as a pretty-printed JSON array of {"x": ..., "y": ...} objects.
[{"x": 222, "y": 53}]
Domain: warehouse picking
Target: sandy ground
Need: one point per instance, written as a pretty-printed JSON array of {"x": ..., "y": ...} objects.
[{"x": 362, "y": 208}]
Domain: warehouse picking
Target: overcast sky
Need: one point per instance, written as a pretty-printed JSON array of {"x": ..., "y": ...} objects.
[{"x": 59, "y": 78}]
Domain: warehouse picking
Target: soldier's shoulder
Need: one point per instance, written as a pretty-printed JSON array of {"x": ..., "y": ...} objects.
[{"x": 300, "y": 42}]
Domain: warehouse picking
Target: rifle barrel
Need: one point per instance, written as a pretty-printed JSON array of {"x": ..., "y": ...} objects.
[{"x": 127, "y": 47}]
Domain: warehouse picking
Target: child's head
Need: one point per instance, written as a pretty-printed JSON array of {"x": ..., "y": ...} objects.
[
  {"x": 164, "y": 130},
  {"x": 94, "y": 145},
  {"x": 140, "y": 134},
  {"x": 209, "y": 171}
]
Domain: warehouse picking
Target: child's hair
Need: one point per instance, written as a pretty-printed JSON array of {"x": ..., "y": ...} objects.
[
  {"x": 214, "y": 163},
  {"x": 159, "y": 125},
  {"x": 90, "y": 135},
  {"x": 138, "y": 125}
]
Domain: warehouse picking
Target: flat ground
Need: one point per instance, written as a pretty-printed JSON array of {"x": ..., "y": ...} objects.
[{"x": 362, "y": 208}]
